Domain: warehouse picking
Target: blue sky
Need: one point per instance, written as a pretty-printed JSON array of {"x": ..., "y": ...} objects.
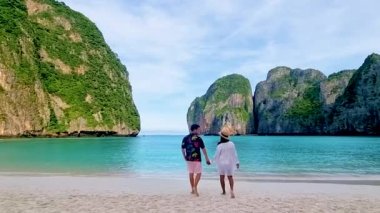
[{"x": 174, "y": 50}]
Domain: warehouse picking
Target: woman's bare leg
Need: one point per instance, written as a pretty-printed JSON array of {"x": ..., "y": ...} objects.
[
  {"x": 223, "y": 184},
  {"x": 231, "y": 181}
]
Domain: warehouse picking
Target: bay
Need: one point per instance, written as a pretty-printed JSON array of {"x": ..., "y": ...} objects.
[{"x": 160, "y": 155}]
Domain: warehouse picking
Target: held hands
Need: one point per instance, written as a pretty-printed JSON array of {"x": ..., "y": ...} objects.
[
  {"x": 208, "y": 161},
  {"x": 237, "y": 166}
]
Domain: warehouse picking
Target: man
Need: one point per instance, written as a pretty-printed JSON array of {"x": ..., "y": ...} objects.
[{"x": 191, "y": 151}]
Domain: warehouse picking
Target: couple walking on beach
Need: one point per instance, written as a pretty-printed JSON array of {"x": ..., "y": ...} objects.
[{"x": 225, "y": 157}]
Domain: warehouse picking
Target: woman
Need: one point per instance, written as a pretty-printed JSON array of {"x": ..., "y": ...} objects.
[{"x": 226, "y": 159}]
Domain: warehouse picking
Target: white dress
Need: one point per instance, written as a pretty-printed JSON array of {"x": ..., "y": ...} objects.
[{"x": 226, "y": 158}]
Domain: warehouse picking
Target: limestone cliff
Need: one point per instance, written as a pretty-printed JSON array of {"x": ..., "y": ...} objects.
[
  {"x": 58, "y": 76},
  {"x": 288, "y": 102},
  {"x": 299, "y": 102},
  {"x": 227, "y": 101},
  {"x": 357, "y": 111},
  {"x": 332, "y": 88}
]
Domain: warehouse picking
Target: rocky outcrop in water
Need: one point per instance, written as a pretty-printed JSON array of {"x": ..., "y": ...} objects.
[
  {"x": 227, "y": 101},
  {"x": 288, "y": 102},
  {"x": 306, "y": 102}
]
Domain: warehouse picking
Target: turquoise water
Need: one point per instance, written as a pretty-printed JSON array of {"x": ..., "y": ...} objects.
[{"x": 160, "y": 155}]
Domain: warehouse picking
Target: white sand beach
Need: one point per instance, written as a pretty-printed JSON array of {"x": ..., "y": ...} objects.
[{"x": 46, "y": 193}]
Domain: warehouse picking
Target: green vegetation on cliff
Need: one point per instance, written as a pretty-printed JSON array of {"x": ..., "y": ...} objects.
[
  {"x": 350, "y": 94},
  {"x": 308, "y": 108},
  {"x": 222, "y": 89},
  {"x": 228, "y": 100},
  {"x": 336, "y": 78},
  {"x": 45, "y": 41},
  {"x": 227, "y": 85},
  {"x": 356, "y": 111},
  {"x": 284, "y": 85},
  {"x": 288, "y": 102}
]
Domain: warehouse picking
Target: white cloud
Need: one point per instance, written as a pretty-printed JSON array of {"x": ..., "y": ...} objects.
[{"x": 307, "y": 34}]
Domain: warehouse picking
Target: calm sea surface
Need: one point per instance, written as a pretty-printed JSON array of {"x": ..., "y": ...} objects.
[{"x": 161, "y": 155}]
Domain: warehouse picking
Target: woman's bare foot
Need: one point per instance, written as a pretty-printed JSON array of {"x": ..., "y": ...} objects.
[
  {"x": 196, "y": 192},
  {"x": 224, "y": 193},
  {"x": 232, "y": 195},
  {"x": 192, "y": 191}
]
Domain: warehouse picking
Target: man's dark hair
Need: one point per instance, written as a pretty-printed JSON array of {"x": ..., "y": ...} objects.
[{"x": 194, "y": 127}]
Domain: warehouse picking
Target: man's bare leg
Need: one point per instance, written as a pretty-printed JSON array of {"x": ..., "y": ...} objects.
[
  {"x": 191, "y": 178},
  {"x": 197, "y": 178},
  {"x": 223, "y": 184},
  {"x": 231, "y": 180}
]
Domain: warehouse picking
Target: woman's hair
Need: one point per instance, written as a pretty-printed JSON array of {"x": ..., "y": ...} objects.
[{"x": 223, "y": 140}]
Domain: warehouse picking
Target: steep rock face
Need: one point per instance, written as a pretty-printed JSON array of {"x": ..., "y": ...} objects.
[
  {"x": 57, "y": 74},
  {"x": 357, "y": 111},
  {"x": 288, "y": 102},
  {"x": 332, "y": 88},
  {"x": 227, "y": 101}
]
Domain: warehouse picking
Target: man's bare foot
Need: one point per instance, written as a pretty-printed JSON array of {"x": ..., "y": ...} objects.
[
  {"x": 232, "y": 195},
  {"x": 223, "y": 193}
]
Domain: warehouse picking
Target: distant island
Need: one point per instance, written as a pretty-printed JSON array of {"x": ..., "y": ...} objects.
[
  {"x": 294, "y": 102},
  {"x": 58, "y": 77}
]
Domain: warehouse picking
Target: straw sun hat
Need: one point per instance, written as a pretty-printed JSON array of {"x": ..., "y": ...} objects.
[{"x": 226, "y": 132}]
